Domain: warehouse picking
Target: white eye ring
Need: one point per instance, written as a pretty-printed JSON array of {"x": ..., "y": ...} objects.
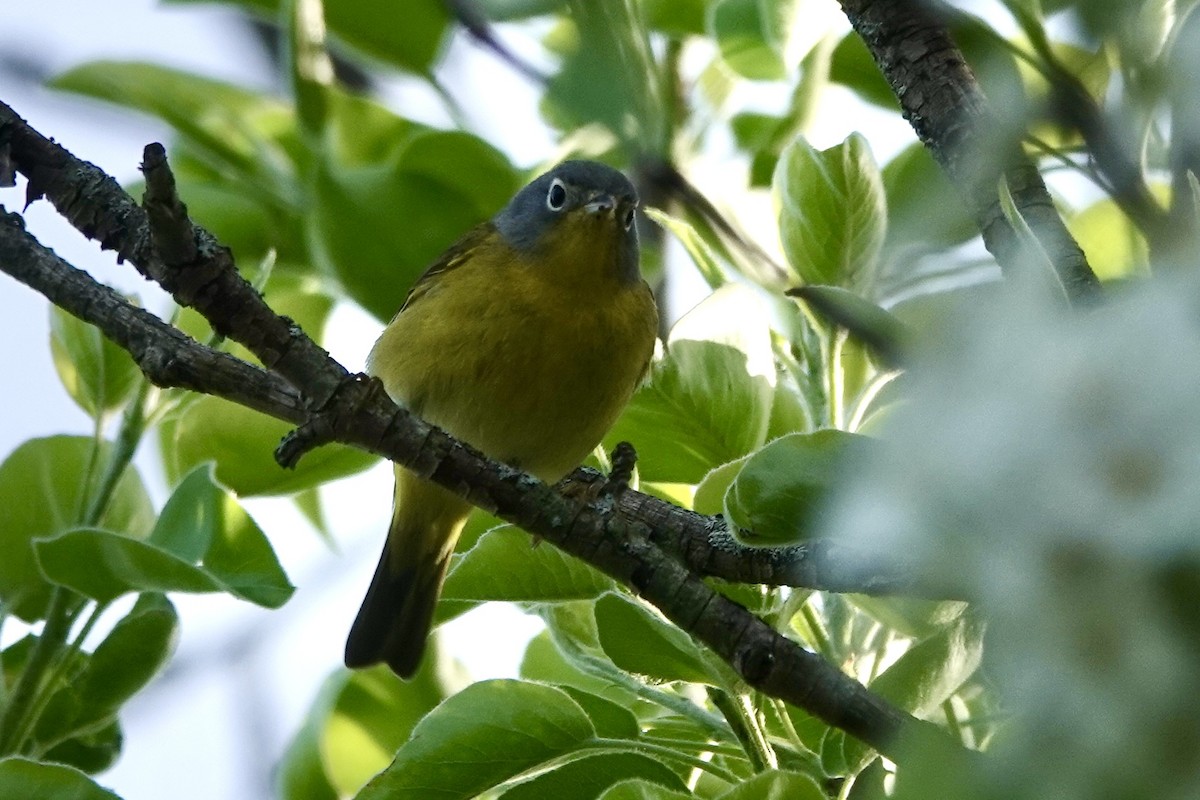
[
  {"x": 629, "y": 217},
  {"x": 556, "y": 198}
]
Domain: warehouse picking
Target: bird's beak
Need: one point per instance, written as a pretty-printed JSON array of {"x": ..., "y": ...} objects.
[{"x": 600, "y": 203}]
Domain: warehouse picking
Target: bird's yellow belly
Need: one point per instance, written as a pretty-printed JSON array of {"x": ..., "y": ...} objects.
[{"x": 540, "y": 393}]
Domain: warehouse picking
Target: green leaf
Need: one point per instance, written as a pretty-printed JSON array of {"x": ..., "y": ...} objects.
[
  {"x": 133, "y": 652},
  {"x": 79, "y": 724},
  {"x": 481, "y": 176},
  {"x": 23, "y": 777},
  {"x": 764, "y": 136},
  {"x": 640, "y": 789},
  {"x": 933, "y": 669},
  {"x": 885, "y": 336},
  {"x": 545, "y": 663},
  {"x": 577, "y": 659},
  {"x": 92, "y": 752},
  {"x": 308, "y": 503},
  {"x": 250, "y": 223},
  {"x": 227, "y": 122},
  {"x": 909, "y": 616},
  {"x": 608, "y": 76},
  {"x": 587, "y": 777},
  {"x": 809, "y": 729},
  {"x": 776, "y": 785},
  {"x": 203, "y": 522},
  {"x": 184, "y": 99},
  {"x": 505, "y": 565},
  {"x": 362, "y": 131},
  {"x": 708, "y": 401},
  {"x": 1036, "y": 266},
  {"x": 832, "y": 212},
  {"x": 853, "y": 67},
  {"x": 512, "y": 10},
  {"x": 922, "y": 679},
  {"x": 777, "y": 496},
  {"x": 191, "y": 516},
  {"x": 302, "y": 770},
  {"x": 103, "y": 566},
  {"x": 923, "y": 206},
  {"x": 611, "y": 720},
  {"x": 411, "y": 40},
  {"x": 676, "y": 18},
  {"x": 1114, "y": 246},
  {"x": 54, "y": 722},
  {"x": 42, "y": 494},
  {"x": 749, "y": 36},
  {"x": 242, "y": 559},
  {"x": 710, "y": 494},
  {"x": 242, "y": 443},
  {"x": 640, "y": 642},
  {"x": 377, "y": 227},
  {"x": 452, "y": 755},
  {"x": 98, "y": 374},
  {"x": 789, "y": 414},
  {"x": 360, "y": 720},
  {"x": 702, "y": 255},
  {"x": 1146, "y": 38},
  {"x": 753, "y": 130},
  {"x": 14, "y": 658}
]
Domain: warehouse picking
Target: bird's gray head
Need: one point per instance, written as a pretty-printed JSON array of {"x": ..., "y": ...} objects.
[{"x": 574, "y": 186}]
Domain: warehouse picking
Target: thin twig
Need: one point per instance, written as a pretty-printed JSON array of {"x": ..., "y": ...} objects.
[{"x": 475, "y": 22}]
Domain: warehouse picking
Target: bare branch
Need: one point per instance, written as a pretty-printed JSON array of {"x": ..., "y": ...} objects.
[{"x": 945, "y": 106}]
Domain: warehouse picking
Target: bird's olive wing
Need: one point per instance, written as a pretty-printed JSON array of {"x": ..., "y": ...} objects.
[{"x": 454, "y": 256}]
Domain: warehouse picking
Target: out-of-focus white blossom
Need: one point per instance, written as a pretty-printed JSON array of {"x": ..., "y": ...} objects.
[{"x": 1048, "y": 465}]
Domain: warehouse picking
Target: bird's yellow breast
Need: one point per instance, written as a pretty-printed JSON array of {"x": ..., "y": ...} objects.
[{"x": 529, "y": 358}]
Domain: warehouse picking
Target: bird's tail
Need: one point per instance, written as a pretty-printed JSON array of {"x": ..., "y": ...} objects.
[{"x": 397, "y": 613}]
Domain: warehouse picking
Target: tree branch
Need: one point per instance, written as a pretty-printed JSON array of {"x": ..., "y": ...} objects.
[
  {"x": 707, "y": 547},
  {"x": 475, "y": 22},
  {"x": 944, "y": 104},
  {"x": 355, "y": 411},
  {"x": 167, "y": 356},
  {"x": 100, "y": 209}
]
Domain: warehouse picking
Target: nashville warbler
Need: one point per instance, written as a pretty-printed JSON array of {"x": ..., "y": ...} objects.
[{"x": 525, "y": 339}]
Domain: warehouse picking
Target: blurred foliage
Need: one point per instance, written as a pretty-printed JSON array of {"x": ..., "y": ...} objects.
[{"x": 1037, "y": 461}]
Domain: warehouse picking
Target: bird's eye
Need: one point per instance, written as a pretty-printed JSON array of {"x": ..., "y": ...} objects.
[
  {"x": 556, "y": 198},
  {"x": 629, "y": 218}
]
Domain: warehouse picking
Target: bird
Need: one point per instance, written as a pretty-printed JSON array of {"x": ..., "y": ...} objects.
[{"x": 525, "y": 339}]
